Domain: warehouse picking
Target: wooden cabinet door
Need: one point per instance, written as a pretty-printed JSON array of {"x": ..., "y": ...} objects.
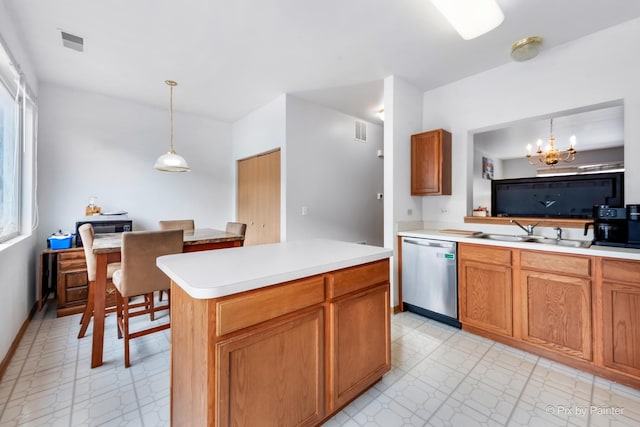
[
  {"x": 258, "y": 197},
  {"x": 485, "y": 295},
  {"x": 274, "y": 375},
  {"x": 556, "y": 312},
  {"x": 621, "y": 315},
  {"x": 359, "y": 344},
  {"x": 431, "y": 163}
]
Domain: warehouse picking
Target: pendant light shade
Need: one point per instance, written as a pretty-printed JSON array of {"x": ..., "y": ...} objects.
[{"x": 171, "y": 161}]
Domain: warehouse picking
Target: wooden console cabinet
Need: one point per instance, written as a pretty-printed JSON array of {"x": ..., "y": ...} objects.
[
  {"x": 287, "y": 354},
  {"x": 66, "y": 271},
  {"x": 583, "y": 311},
  {"x": 431, "y": 163}
]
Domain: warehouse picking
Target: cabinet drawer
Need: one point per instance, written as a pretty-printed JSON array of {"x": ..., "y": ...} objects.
[
  {"x": 545, "y": 261},
  {"x": 485, "y": 254},
  {"x": 624, "y": 271},
  {"x": 73, "y": 278},
  {"x": 70, "y": 255},
  {"x": 342, "y": 282},
  {"x": 255, "y": 307},
  {"x": 76, "y": 295}
]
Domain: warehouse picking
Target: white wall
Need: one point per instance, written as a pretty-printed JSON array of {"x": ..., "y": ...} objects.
[
  {"x": 94, "y": 145},
  {"x": 403, "y": 111},
  {"x": 258, "y": 132},
  {"x": 18, "y": 261},
  {"x": 595, "y": 69},
  {"x": 331, "y": 174}
]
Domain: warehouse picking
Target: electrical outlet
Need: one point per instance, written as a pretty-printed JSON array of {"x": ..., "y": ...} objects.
[
  {"x": 409, "y": 212},
  {"x": 379, "y": 196},
  {"x": 444, "y": 210},
  {"x": 304, "y": 210}
]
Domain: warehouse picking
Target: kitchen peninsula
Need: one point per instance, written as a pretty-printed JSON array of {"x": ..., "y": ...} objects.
[{"x": 282, "y": 334}]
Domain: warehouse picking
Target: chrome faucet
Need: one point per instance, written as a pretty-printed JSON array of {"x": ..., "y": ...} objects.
[
  {"x": 528, "y": 228},
  {"x": 558, "y": 233}
]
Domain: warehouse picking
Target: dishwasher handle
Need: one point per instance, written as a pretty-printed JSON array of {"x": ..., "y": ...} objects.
[{"x": 431, "y": 243}]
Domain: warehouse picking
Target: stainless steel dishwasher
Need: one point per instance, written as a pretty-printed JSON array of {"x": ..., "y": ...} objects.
[{"x": 429, "y": 279}]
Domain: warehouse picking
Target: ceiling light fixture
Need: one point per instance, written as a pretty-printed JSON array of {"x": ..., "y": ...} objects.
[
  {"x": 471, "y": 18},
  {"x": 171, "y": 161},
  {"x": 526, "y": 49},
  {"x": 550, "y": 155}
]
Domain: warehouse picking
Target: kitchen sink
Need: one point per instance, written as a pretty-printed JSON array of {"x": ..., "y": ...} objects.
[
  {"x": 504, "y": 237},
  {"x": 535, "y": 239}
]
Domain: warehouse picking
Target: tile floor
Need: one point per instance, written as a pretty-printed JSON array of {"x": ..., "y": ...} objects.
[{"x": 441, "y": 376}]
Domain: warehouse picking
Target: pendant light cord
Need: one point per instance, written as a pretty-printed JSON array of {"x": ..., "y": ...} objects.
[{"x": 171, "y": 84}]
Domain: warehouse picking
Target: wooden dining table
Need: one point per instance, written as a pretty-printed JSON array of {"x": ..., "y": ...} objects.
[{"x": 107, "y": 247}]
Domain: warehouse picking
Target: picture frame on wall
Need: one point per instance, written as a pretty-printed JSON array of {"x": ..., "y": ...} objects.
[{"x": 487, "y": 168}]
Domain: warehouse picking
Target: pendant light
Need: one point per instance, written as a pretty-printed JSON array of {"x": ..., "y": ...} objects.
[{"x": 171, "y": 161}]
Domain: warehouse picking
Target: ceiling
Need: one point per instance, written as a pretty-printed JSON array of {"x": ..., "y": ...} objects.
[{"x": 232, "y": 57}]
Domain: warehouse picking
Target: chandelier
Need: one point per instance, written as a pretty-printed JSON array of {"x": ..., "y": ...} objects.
[{"x": 550, "y": 155}]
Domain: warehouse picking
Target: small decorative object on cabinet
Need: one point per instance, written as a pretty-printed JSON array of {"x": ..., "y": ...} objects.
[{"x": 431, "y": 163}]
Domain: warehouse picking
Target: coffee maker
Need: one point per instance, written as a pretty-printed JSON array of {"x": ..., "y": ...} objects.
[
  {"x": 633, "y": 226},
  {"x": 609, "y": 226}
]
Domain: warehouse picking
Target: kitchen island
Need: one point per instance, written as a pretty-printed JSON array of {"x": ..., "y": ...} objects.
[{"x": 278, "y": 334}]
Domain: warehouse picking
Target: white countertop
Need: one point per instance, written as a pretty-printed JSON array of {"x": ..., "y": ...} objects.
[
  {"x": 221, "y": 272},
  {"x": 603, "y": 251}
]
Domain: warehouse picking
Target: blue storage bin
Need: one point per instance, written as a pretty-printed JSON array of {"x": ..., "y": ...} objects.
[{"x": 60, "y": 242}]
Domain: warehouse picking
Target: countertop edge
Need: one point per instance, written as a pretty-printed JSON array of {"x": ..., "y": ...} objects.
[
  {"x": 261, "y": 281},
  {"x": 602, "y": 251}
]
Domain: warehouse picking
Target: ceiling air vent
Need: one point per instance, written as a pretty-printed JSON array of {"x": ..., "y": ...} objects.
[
  {"x": 72, "y": 41},
  {"x": 361, "y": 131}
]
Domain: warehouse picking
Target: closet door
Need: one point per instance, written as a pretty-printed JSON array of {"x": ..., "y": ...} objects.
[{"x": 259, "y": 197}]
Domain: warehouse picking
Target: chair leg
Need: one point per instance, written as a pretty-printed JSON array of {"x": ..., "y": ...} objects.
[
  {"x": 88, "y": 311},
  {"x": 152, "y": 314},
  {"x": 119, "y": 303},
  {"x": 125, "y": 324},
  {"x": 160, "y": 295}
]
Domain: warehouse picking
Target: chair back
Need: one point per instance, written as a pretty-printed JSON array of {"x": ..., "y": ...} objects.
[
  {"x": 237, "y": 228},
  {"x": 86, "y": 234},
  {"x": 139, "y": 273},
  {"x": 177, "y": 224}
]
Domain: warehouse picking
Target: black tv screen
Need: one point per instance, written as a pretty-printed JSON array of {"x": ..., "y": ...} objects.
[{"x": 556, "y": 197}]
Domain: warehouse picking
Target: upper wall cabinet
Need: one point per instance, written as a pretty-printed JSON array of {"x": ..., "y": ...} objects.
[{"x": 431, "y": 163}]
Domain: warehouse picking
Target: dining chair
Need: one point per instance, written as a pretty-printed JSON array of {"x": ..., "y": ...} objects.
[
  {"x": 87, "y": 235},
  {"x": 139, "y": 275},
  {"x": 177, "y": 224},
  {"x": 237, "y": 228}
]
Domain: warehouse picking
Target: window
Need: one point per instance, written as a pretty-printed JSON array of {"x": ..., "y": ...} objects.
[
  {"x": 9, "y": 167},
  {"x": 17, "y": 136}
]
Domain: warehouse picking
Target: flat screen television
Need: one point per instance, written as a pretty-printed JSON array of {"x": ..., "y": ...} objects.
[{"x": 556, "y": 197}]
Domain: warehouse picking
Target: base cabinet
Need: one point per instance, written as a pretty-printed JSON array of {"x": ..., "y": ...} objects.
[
  {"x": 583, "y": 311},
  {"x": 291, "y": 354},
  {"x": 290, "y": 392},
  {"x": 359, "y": 359},
  {"x": 556, "y": 312},
  {"x": 486, "y": 288},
  {"x": 621, "y": 315}
]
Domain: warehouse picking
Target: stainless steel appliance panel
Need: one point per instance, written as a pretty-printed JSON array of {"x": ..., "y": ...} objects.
[{"x": 429, "y": 278}]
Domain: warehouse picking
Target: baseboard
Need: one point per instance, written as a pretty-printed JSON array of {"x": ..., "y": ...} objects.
[{"x": 14, "y": 345}]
